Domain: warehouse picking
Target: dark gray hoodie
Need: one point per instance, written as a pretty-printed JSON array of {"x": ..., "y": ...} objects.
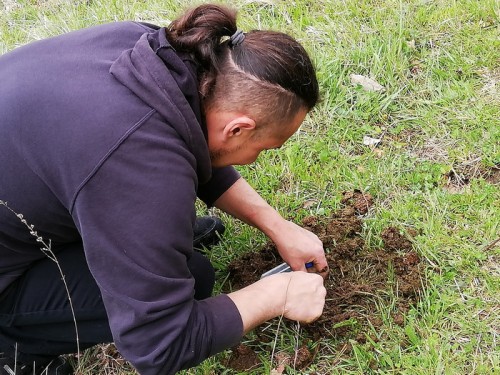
[{"x": 102, "y": 142}]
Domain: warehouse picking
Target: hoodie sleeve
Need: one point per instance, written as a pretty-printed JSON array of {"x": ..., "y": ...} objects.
[
  {"x": 221, "y": 180},
  {"x": 135, "y": 214}
]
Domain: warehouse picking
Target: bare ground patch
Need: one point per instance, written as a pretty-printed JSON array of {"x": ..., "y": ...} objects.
[{"x": 359, "y": 277}]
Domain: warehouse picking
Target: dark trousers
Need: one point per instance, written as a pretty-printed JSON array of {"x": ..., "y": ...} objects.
[{"x": 35, "y": 316}]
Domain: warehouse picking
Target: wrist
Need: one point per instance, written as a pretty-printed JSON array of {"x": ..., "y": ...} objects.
[
  {"x": 262, "y": 300},
  {"x": 276, "y": 287},
  {"x": 271, "y": 224}
]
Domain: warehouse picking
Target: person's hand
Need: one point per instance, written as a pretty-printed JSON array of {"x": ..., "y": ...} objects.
[
  {"x": 298, "y": 246},
  {"x": 305, "y": 297},
  {"x": 297, "y": 296}
]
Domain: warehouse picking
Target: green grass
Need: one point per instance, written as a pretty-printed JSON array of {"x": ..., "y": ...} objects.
[{"x": 440, "y": 64}]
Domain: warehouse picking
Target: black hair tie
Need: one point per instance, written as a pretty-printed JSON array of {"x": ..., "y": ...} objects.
[{"x": 237, "y": 38}]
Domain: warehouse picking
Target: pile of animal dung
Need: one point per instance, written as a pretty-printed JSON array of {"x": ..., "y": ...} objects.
[{"x": 359, "y": 277}]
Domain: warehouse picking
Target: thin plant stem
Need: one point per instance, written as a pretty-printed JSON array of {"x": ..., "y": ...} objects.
[
  {"x": 46, "y": 248},
  {"x": 297, "y": 335},
  {"x": 276, "y": 336},
  {"x": 279, "y": 321}
]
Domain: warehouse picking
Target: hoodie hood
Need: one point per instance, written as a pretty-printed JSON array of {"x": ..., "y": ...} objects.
[{"x": 159, "y": 76}]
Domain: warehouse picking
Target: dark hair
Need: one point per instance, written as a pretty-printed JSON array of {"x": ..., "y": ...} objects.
[{"x": 268, "y": 75}]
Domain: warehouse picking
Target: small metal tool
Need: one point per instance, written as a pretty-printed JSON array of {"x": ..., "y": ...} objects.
[{"x": 283, "y": 267}]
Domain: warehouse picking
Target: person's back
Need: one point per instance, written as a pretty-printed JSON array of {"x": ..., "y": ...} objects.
[{"x": 56, "y": 99}]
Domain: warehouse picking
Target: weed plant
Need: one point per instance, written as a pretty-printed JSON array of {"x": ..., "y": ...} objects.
[{"x": 435, "y": 169}]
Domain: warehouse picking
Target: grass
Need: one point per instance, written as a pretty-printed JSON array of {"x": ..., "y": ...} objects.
[{"x": 440, "y": 64}]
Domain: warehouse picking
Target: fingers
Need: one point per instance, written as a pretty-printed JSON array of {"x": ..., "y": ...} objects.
[
  {"x": 319, "y": 260},
  {"x": 316, "y": 306},
  {"x": 303, "y": 247},
  {"x": 305, "y": 297},
  {"x": 319, "y": 267},
  {"x": 300, "y": 266},
  {"x": 313, "y": 266},
  {"x": 323, "y": 269}
]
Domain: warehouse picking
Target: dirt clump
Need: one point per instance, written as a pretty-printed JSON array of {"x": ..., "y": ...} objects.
[
  {"x": 358, "y": 200},
  {"x": 243, "y": 358},
  {"x": 394, "y": 240},
  {"x": 359, "y": 276},
  {"x": 303, "y": 357}
]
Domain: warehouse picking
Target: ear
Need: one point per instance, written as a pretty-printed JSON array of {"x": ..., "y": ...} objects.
[{"x": 239, "y": 126}]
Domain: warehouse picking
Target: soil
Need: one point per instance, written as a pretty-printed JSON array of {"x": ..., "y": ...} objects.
[
  {"x": 462, "y": 175},
  {"x": 243, "y": 358},
  {"x": 359, "y": 277},
  {"x": 492, "y": 175}
]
